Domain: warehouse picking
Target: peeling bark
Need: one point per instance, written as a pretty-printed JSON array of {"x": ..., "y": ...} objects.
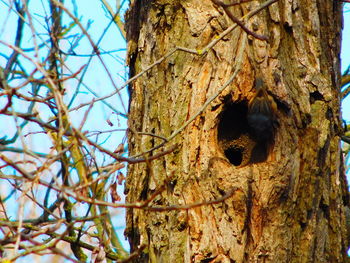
[{"x": 287, "y": 208}]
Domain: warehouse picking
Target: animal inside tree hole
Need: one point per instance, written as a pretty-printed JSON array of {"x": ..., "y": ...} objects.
[{"x": 236, "y": 138}]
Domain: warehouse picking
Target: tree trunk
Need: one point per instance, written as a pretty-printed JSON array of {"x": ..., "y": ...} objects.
[{"x": 278, "y": 200}]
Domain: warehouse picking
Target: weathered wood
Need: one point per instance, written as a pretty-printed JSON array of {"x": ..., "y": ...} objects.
[{"x": 288, "y": 207}]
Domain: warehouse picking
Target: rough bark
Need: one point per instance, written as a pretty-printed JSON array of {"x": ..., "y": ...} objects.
[{"x": 287, "y": 206}]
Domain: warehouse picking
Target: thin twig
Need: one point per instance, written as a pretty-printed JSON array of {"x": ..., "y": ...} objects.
[
  {"x": 238, "y": 21},
  {"x": 236, "y": 3},
  {"x": 95, "y": 48}
]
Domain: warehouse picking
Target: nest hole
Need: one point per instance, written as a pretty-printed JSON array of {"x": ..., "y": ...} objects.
[
  {"x": 234, "y": 155},
  {"x": 233, "y": 122},
  {"x": 236, "y": 139}
]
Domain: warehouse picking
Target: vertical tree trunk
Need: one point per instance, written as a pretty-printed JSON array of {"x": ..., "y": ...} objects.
[{"x": 282, "y": 202}]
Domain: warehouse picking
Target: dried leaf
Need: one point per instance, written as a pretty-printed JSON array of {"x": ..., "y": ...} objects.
[
  {"x": 114, "y": 195},
  {"x": 120, "y": 149},
  {"x": 109, "y": 122},
  {"x": 120, "y": 178}
]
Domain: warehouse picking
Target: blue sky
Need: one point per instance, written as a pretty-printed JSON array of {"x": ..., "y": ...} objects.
[{"x": 345, "y": 57}]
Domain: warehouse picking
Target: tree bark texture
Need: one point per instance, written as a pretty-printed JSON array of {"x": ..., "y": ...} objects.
[{"x": 284, "y": 204}]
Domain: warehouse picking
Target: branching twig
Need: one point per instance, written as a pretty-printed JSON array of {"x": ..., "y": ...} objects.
[{"x": 238, "y": 22}]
